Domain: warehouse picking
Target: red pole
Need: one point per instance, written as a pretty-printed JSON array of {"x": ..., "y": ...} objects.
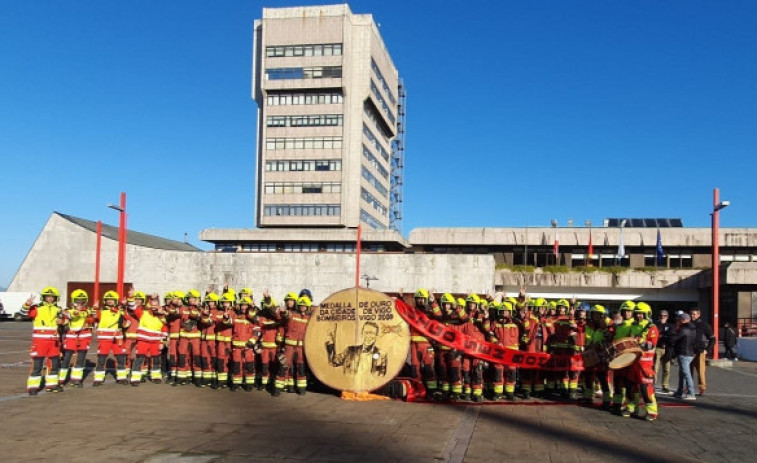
[
  {"x": 96, "y": 296},
  {"x": 121, "y": 246},
  {"x": 715, "y": 270},
  {"x": 357, "y": 269}
]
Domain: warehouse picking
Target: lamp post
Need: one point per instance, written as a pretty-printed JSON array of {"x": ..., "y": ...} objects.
[
  {"x": 96, "y": 295},
  {"x": 717, "y": 205},
  {"x": 121, "y": 243}
]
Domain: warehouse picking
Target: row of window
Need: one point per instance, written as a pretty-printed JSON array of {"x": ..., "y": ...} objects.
[
  {"x": 302, "y": 209},
  {"x": 374, "y": 162},
  {"x": 320, "y": 49},
  {"x": 313, "y": 120},
  {"x": 313, "y": 72},
  {"x": 299, "y": 247},
  {"x": 316, "y": 143},
  {"x": 302, "y": 166},
  {"x": 372, "y": 138},
  {"x": 282, "y": 99},
  {"x": 370, "y": 220},
  {"x": 381, "y": 79},
  {"x": 276, "y": 188},
  {"x": 374, "y": 181},
  {"x": 370, "y": 199},
  {"x": 370, "y": 112},
  {"x": 381, "y": 100}
]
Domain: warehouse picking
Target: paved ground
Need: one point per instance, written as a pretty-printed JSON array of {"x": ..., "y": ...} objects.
[{"x": 160, "y": 423}]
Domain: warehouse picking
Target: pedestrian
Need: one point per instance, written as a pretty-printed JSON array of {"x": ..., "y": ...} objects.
[
  {"x": 663, "y": 352},
  {"x": 703, "y": 346},
  {"x": 730, "y": 341},
  {"x": 683, "y": 346}
]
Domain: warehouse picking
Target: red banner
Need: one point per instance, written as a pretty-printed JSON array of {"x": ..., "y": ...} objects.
[{"x": 483, "y": 350}]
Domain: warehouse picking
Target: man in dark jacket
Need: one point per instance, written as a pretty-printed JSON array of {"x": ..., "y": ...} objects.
[
  {"x": 663, "y": 352},
  {"x": 683, "y": 346},
  {"x": 729, "y": 342},
  {"x": 705, "y": 340}
]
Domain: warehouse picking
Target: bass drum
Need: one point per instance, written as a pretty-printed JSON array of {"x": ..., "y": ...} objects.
[{"x": 624, "y": 352}]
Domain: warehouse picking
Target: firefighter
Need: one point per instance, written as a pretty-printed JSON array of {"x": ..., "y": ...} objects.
[
  {"x": 421, "y": 350},
  {"x": 189, "y": 354},
  {"x": 528, "y": 325},
  {"x": 292, "y": 358},
  {"x": 78, "y": 338},
  {"x": 224, "y": 321},
  {"x": 641, "y": 374},
  {"x": 561, "y": 345},
  {"x": 208, "y": 339},
  {"x": 47, "y": 318},
  {"x": 290, "y": 306},
  {"x": 597, "y": 333},
  {"x": 473, "y": 368},
  {"x": 504, "y": 332},
  {"x": 268, "y": 321},
  {"x": 151, "y": 332},
  {"x": 174, "y": 301},
  {"x": 244, "y": 337},
  {"x": 454, "y": 359},
  {"x": 622, "y": 387},
  {"x": 578, "y": 339},
  {"x": 110, "y": 338},
  {"x": 138, "y": 299},
  {"x": 444, "y": 362}
]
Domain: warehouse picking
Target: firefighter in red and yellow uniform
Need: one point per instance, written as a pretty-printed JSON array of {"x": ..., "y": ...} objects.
[
  {"x": 458, "y": 321},
  {"x": 292, "y": 360},
  {"x": 208, "y": 354},
  {"x": 244, "y": 337},
  {"x": 48, "y": 317},
  {"x": 290, "y": 305},
  {"x": 473, "y": 368},
  {"x": 561, "y": 345},
  {"x": 151, "y": 332},
  {"x": 551, "y": 377},
  {"x": 622, "y": 387},
  {"x": 597, "y": 334},
  {"x": 268, "y": 320},
  {"x": 189, "y": 340},
  {"x": 174, "y": 301},
  {"x": 110, "y": 338},
  {"x": 130, "y": 334},
  {"x": 224, "y": 321},
  {"x": 421, "y": 350},
  {"x": 78, "y": 337},
  {"x": 443, "y": 362},
  {"x": 579, "y": 345},
  {"x": 504, "y": 332},
  {"x": 642, "y": 371},
  {"x": 528, "y": 324}
]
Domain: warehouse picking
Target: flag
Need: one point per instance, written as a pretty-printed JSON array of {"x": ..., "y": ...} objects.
[
  {"x": 556, "y": 247},
  {"x": 660, "y": 252},
  {"x": 621, "y": 246},
  {"x": 591, "y": 246}
]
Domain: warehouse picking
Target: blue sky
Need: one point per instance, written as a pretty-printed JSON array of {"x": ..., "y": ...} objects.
[{"x": 518, "y": 112}]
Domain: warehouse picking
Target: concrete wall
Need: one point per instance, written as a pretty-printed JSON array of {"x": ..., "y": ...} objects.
[{"x": 66, "y": 252}]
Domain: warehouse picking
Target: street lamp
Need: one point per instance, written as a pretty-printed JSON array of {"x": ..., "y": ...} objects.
[
  {"x": 717, "y": 205},
  {"x": 121, "y": 243},
  {"x": 368, "y": 279}
]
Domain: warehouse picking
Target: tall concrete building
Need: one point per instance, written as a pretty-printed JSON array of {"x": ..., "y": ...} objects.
[{"x": 330, "y": 120}]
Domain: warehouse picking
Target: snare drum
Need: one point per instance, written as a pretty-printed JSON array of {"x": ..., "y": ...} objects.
[{"x": 624, "y": 352}]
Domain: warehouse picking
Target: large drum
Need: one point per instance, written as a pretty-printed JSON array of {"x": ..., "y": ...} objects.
[
  {"x": 592, "y": 357},
  {"x": 623, "y": 352}
]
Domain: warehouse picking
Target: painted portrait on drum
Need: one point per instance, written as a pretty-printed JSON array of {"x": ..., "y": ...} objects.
[{"x": 356, "y": 341}]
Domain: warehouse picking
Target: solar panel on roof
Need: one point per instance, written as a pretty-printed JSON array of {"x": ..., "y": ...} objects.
[{"x": 645, "y": 223}]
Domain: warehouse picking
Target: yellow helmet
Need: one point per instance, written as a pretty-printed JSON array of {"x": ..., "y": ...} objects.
[
  {"x": 140, "y": 295},
  {"x": 448, "y": 298},
  {"x": 51, "y": 291},
  {"x": 193, "y": 293},
  {"x": 563, "y": 303},
  {"x": 512, "y": 300},
  {"x": 292, "y": 296},
  {"x": 168, "y": 296},
  {"x": 506, "y": 305},
  {"x": 304, "y": 300},
  {"x": 244, "y": 300},
  {"x": 230, "y": 290},
  {"x": 644, "y": 308},
  {"x": 598, "y": 309},
  {"x": 552, "y": 305},
  {"x": 460, "y": 302},
  {"x": 247, "y": 291},
  {"x": 472, "y": 298},
  {"x": 79, "y": 295},
  {"x": 211, "y": 297},
  {"x": 494, "y": 305},
  {"x": 421, "y": 293},
  {"x": 628, "y": 305},
  {"x": 110, "y": 295},
  {"x": 179, "y": 294},
  {"x": 227, "y": 297}
]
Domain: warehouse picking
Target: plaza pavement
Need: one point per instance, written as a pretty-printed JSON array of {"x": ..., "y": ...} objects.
[{"x": 160, "y": 423}]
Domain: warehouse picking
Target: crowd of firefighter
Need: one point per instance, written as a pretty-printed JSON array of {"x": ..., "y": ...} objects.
[{"x": 229, "y": 341}]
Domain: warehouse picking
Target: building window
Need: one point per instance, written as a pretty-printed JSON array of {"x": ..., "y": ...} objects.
[
  {"x": 381, "y": 100},
  {"x": 302, "y": 210},
  {"x": 375, "y": 142},
  {"x": 370, "y": 199},
  {"x": 273, "y": 188},
  {"x": 313, "y": 72},
  {"x": 340, "y": 247},
  {"x": 382, "y": 81},
  {"x": 313, "y": 120},
  {"x": 370, "y": 220},
  {"x": 320, "y": 49},
  {"x": 375, "y": 182},
  {"x": 283, "y": 99},
  {"x": 259, "y": 247},
  {"x": 303, "y": 143},
  {"x": 297, "y": 166},
  {"x": 374, "y": 162}
]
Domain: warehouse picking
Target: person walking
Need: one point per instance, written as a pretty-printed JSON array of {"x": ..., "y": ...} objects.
[
  {"x": 683, "y": 345},
  {"x": 705, "y": 341},
  {"x": 663, "y": 352},
  {"x": 730, "y": 341}
]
